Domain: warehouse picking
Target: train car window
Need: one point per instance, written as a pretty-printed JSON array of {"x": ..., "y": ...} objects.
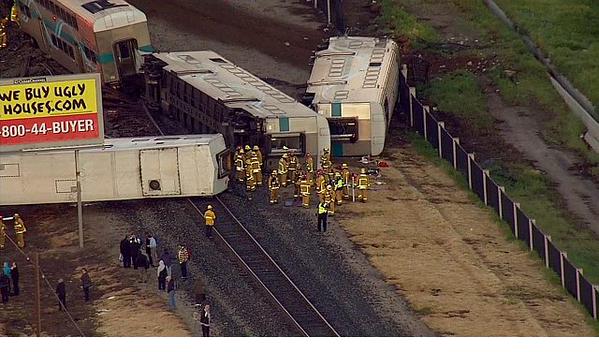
[
  {"x": 100, "y": 5},
  {"x": 124, "y": 52},
  {"x": 296, "y": 142},
  {"x": 225, "y": 163},
  {"x": 71, "y": 52},
  {"x": 344, "y": 129},
  {"x": 53, "y": 38}
]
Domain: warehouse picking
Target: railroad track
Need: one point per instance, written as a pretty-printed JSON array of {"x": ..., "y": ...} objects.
[{"x": 265, "y": 271}]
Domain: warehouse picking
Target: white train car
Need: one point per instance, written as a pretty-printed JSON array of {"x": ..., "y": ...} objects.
[
  {"x": 354, "y": 83},
  {"x": 105, "y": 36},
  {"x": 125, "y": 168},
  {"x": 209, "y": 94}
]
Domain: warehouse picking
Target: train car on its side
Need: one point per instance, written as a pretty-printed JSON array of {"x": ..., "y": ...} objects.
[
  {"x": 105, "y": 36},
  {"x": 209, "y": 94},
  {"x": 354, "y": 83},
  {"x": 124, "y": 168}
]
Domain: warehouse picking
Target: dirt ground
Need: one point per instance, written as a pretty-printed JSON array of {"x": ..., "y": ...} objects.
[{"x": 450, "y": 259}]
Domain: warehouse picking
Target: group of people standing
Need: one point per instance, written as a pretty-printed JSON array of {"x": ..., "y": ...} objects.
[
  {"x": 9, "y": 281},
  {"x": 19, "y": 228}
]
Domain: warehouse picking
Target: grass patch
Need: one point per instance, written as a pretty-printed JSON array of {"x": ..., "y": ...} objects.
[
  {"x": 405, "y": 25},
  {"x": 459, "y": 93}
]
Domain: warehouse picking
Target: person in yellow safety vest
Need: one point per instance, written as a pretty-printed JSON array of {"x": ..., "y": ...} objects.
[
  {"x": 20, "y": 231},
  {"x": 321, "y": 185},
  {"x": 363, "y": 185},
  {"x": 283, "y": 170},
  {"x": 2, "y": 233},
  {"x": 210, "y": 219},
  {"x": 273, "y": 187},
  {"x": 310, "y": 169},
  {"x": 322, "y": 216},
  {"x": 247, "y": 160},
  {"x": 305, "y": 191},
  {"x": 256, "y": 169},
  {"x": 339, "y": 186},
  {"x": 292, "y": 162},
  {"x": 3, "y": 32},
  {"x": 325, "y": 160},
  {"x": 259, "y": 155},
  {"x": 346, "y": 176},
  {"x": 329, "y": 198},
  {"x": 240, "y": 165},
  {"x": 250, "y": 181}
]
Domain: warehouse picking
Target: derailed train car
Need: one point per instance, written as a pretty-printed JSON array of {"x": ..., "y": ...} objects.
[
  {"x": 124, "y": 168},
  {"x": 209, "y": 94},
  {"x": 105, "y": 36},
  {"x": 354, "y": 83}
]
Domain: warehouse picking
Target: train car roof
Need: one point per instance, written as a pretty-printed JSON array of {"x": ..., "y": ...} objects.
[
  {"x": 351, "y": 69},
  {"x": 105, "y": 14},
  {"x": 235, "y": 87}
]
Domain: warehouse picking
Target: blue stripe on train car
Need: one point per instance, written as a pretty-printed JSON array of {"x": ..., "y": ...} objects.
[
  {"x": 284, "y": 124},
  {"x": 336, "y": 110},
  {"x": 337, "y": 148},
  {"x": 147, "y": 49},
  {"x": 105, "y": 58}
]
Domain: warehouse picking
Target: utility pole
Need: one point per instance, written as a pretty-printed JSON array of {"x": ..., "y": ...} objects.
[
  {"x": 79, "y": 205},
  {"x": 38, "y": 328}
]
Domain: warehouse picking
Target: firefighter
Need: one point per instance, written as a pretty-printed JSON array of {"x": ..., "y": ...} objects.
[
  {"x": 292, "y": 162},
  {"x": 346, "y": 176},
  {"x": 2, "y": 233},
  {"x": 250, "y": 181},
  {"x": 273, "y": 187},
  {"x": 3, "y": 32},
  {"x": 20, "y": 231},
  {"x": 338, "y": 186},
  {"x": 363, "y": 185},
  {"x": 329, "y": 198},
  {"x": 256, "y": 169},
  {"x": 240, "y": 165},
  {"x": 14, "y": 14},
  {"x": 210, "y": 218},
  {"x": 305, "y": 191},
  {"x": 309, "y": 169},
  {"x": 322, "y": 216},
  {"x": 296, "y": 185},
  {"x": 325, "y": 160},
  {"x": 321, "y": 185},
  {"x": 283, "y": 170},
  {"x": 258, "y": 155}
]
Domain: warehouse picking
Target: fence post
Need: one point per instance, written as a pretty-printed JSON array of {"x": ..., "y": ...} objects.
[
  {"x": 470, "y": 158},
  {"x": 561, "y": 263},
  {"x": 516, "y": 206},
  {"x": 530, "y": 237},
  {"x": 424, "y": 111},
  {"x": 595, "y": 288},
  {"x": 485, "y": 175},
  {"x": 546, "y": 250},
  {"x": 500, "y": 195},
  {"x": 329, "y": 11},
  {"x": 439, "y": 125},
  {"x": 412, "y": 94},
  {"x": 455, "y": 161},
  {"x": 578, "y": 273}
]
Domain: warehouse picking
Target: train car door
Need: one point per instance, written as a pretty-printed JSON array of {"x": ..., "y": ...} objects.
[
  {"x": 160, "y": 172},
  {"x": 124, "y": 53}
]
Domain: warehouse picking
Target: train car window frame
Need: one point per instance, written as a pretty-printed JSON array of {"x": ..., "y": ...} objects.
[
  {"x": 284, "y": 139},
  {"x": 224, "y": 163},
  {"x": 350, "y": 123}
]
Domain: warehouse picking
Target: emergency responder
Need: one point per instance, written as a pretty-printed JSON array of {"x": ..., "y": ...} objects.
[
  {"x": 329, "y": 198},
  {"x": 325, "y": 160},
  {"x": 20, "y": 231},
  {"x": 273, "y": 187},
  {"x": 338, "y": 186},
  {"x": 250, "y": 181},
  {"x": 240, "y": 165},
  {"x": 321, "y": 185},
  {"x": 305, "y": 191},
  {"x": 296, "y": 185},
  {"x": 247, "y": 161},
  {"x": 210, "y": 219},
  {"x": 256, "y": 168},
  {"x": 2, "y": 233},
  {"x": 283, "y": 170},
  {"x": 363, "y": 185},
  {"x": 292, "y": 162},
  {"x": 3, "y": 32},
  {"x": 309, "y": 169},
  {"x": 259, "y": 155},
  {"x": 14, "y": 14},
  {"x": 322, "y": 216},
  {"x": 346, "y": 176}
]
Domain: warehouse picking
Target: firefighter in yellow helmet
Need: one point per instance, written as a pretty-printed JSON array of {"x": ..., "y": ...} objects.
[
  {"x": 329, "y": 198},
  {"x": 20, "y": 231},
  {"x": 3, "y": 32},
  {"x": 256, "y": 168},
  {"x": 14, "y": 14},
  {"x": 325, "y": 160},
  {"x": 321, "y": 185},
  {"x": 309, "y": 168},
  {"x": 363, "y": 184},
  {"x": 250, "y": 181},
  {"x": 283, "y": 169},
  {"x": 346, "y": 176},
  {"x": 258, "y": 154},
  {"x": 2, "y": 233},
  {"x": 210, "y": 219},
  {"x": 240, "y": 165},
  {"x": 292, "y": 162},
  {"x": 339, "y": 186},
  {"x": 273, "y": 187},
  {"x": 297, "y": 191},
  {"x": 305, "y": 191}
]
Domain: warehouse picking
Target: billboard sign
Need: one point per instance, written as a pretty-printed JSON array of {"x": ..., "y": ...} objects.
[{"x": 53, "y": 111}]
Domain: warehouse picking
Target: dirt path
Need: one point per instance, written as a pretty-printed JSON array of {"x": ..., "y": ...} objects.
[{"x": 450, "y": 259}]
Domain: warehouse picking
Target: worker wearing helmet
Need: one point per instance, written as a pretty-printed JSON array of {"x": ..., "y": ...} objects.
[
  {"x": 292, "y": 167},
  {"x": 297, "y": 190},
  {"x": 240, "y": 165},
  {"x": 321, "y": 185},
  {"x": 273, "y": 187},
  {"x": 329, "y": 198},
  {"x": 256, "y": 168},
  {"x": 250, "y": 180},
  {"x": 305, "y": 191},
  {"x": 14, "y": 14},
  {"x": 309, "y": 168},
  {"x": 3, "y": 32},
  {"x": 2, "y": 233},
  {"x": 363, "y": 184},
  {"x": 258, "y": 155},
  {"x": 346, "y": 176},
  {"x": 283, "y": 169},
  {"x": 20, "y": 231},
  {"x": 325, "y": 160},
  {"x": 210, "y": 219},
  {"x": 338, "y": 186}
]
